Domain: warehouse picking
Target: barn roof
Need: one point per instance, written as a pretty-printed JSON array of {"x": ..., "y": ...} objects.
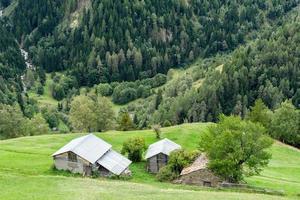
[
  {"x": 200, "y": 163},
  {"x": 114, "y": 162},
  {"x": 88, "y": 147},
  {"x": 164, "y": 146}
]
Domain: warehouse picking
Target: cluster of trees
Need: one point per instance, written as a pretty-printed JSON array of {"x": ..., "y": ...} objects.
[
  {"x": 11, "y": 66},
  {"x": 128, "y": 91},
  {"x": 283, "y": 124},
  {"x": 129, "y": 40},
  {"x": 236, "y": 148},
  {"x": 63, "y": 86},
  {"x": 266, "y": 69},
  {"x": 91, "y": 114},
  {"x": 14, "y": 124}
]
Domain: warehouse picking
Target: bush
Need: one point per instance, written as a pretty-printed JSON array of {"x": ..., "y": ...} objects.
[
  {"x": 167, "y": 123},
  {"x": 134, "y": 147},
  {"x": 123, "y": 94},
  {"x": 125, "y": 122},
  {"x": 40, "y": 89},
  {"x": 104, "y": 89},
  {"x": 180, "y": 159},
  {"x": 166, "y": 174}
]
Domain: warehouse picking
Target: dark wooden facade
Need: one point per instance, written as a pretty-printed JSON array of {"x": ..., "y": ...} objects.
[{"x": 155, "y": 163}]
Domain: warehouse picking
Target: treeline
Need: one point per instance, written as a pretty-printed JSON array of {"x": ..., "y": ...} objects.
[
  {"x": 266, "y": 69},
  {"x": 129, "y": 40},
  {"x": 65, "y": 86}
]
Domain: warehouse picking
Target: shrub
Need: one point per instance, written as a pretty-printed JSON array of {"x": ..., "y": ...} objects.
[
  {"x": 180, "y": 159},
  {"x": 40, "y": 89},
  {"x": 166, "y": 174},
  {"x": 134, "y": 147},
  {"x": 104, "y": 89},
  {"x": 167, "y": 123},
  {"x": 125, "y": 121}
]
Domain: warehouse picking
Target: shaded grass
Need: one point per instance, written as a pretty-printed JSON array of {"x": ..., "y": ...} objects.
[{"x": 68, "y": 188}]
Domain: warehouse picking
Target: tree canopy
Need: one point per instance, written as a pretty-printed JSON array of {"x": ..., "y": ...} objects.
[{"x": 236, "y": 148}]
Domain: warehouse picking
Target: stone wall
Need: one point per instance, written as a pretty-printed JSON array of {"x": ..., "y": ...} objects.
[
  {"x": 82, "y": 166},
  {"x": 202, "y": 177}
]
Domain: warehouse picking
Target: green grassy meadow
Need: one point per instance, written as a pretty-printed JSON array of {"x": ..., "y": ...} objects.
[{"x": 26, "y": 171}]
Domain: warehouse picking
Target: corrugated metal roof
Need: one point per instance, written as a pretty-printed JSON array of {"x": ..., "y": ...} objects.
[
  {"x": 164, "y": 146},
  {"x": 114, "y": 162},
  {"x": 200, "y": 163},
  {"x": 88, "y": 147}
]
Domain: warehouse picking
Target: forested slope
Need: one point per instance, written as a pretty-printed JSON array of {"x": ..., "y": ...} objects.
[
  {"x": 127, "y": 40},
  {"x": 232, "y": 53},
  {"x": 11, "y": 67},
  {"x": 267, "y": 68}
]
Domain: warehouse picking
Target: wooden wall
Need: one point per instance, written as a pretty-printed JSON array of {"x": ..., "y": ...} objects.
[{"x": 155, "y": 163}]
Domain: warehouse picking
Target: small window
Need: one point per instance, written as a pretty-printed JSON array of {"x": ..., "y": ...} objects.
[
  {"x": 72, "y": 157},
  {"x": 207, "y": 183}
]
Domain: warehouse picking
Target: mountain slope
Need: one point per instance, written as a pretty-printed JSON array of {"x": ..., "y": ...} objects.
[{"x": 129, "y": 40}]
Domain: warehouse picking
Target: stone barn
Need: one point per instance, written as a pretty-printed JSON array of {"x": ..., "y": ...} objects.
[
  {"x": 158, "y": 153},
  {"x": 199, "y": 174},
  {"x": 88, "y": 154}
]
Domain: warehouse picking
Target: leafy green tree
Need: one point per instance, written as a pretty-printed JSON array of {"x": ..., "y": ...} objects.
[
  {"x": 12, "y": 122},
  {"x": 104, "y": 89},
  {"x": 285, "y": 124},
  {"x": 157, "y": 130},
  {"x": 125, "y": 121},
  {"x": 37, "y": 125},
  {"x": 40, "y": 89},
  {"x": 51, "y": 117},
  {"x": 134, "y": 147},
  {"x": 236, "y": 148},
  {"x": 260, "y": 114},
  {"x": 105, "y": 114},
  {"x": 180, "y": 159},
  {"x": 82, "y": 114}
]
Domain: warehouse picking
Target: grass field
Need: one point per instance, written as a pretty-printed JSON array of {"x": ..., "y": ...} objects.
[
  {"x": 25, "y": 171},
  {"x": 46, "y": 99}
]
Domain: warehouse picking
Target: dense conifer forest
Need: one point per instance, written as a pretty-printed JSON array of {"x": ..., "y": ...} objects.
[{"x": 157, "y": 62}]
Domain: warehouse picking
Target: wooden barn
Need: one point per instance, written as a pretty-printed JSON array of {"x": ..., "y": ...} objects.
[
  {"x": 199, "y": 174},
  {"x": 89, "y": 154},
  {"x": 158, "y": 153}
]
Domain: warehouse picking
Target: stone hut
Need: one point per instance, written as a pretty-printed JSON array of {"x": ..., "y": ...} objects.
[
  {"x": 89, "y": 154},
  {"x": 199, "y": 174},
  {"x": 158, "y": 153}
]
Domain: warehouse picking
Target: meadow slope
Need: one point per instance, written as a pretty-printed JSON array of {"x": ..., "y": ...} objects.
[{"x": 26, "y": 173}]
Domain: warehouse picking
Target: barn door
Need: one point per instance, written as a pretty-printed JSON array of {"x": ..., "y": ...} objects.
[{"x": 87, "y": 170}]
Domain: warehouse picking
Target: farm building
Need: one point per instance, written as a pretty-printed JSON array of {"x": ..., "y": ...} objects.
[
  {"x": 158, "y": 153},
  {"x": 199, "y": 174},
  {"x": 89, "y": 154}
]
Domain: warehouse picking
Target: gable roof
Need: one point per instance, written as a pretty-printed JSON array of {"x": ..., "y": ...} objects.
[
  {"x": 164, "y": 146},
  {"x": 88, "y": 147},
  {"x": 114, "y": 162},
  {"x": 200, "y": 163}
]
